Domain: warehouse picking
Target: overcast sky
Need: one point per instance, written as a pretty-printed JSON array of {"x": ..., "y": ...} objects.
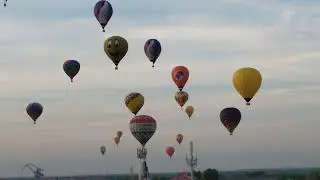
[{"x": 213, "y": 39}]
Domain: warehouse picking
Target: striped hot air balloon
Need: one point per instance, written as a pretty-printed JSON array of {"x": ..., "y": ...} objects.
[{"x": 142, "y": 128}]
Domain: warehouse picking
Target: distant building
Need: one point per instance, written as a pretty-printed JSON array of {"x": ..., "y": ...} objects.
[{"x": 181, "y": 176}]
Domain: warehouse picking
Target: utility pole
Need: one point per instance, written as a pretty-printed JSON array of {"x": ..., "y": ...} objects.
[
  {"x": 191, "y": 161},
  {"x": 131, "y": 173},
  {"x": 144, "y": 172}
]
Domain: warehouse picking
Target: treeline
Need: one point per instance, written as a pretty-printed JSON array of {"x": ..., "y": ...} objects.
[
  {"x": 208, "y": 174},
  {"x": 310, "y": 176},
  {"x": 213, "y": 174}
]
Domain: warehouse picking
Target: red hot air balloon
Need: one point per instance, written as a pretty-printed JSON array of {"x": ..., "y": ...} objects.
[
  {"x": 170, "y": 151},
  {"x": 143, "y": 127},
  {"x": 180, "y": 76}
]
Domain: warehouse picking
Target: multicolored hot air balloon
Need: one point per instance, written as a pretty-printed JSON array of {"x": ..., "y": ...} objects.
[
  {"x": 181, "y": 97},
  {"x": 117, "y": 140},
  {"x": 230, "y": 118},
  {"x": 34, "y": 110},
  {"x": 143, "y": 127},
  {"x": 170, "y": 151},
  {"x": 179, "y": 138},
  {"x": 103, "y": 149},
  {"x": 71, "y": 68},
  {"x": 247, "y": 82},
  {"x": 103, "y": 12},
  {"x": 180, "y": 76},
  {"x": 152, "y": 48},
  {"x": 119, "y": 134},
  {"x": 134, "y": 102},
  {"x": 116, "y": 48}
]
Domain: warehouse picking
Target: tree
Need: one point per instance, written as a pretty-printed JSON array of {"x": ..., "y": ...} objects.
[
  {"x": 197, "y": 174},
  {"x": 312, "y": 176},
  {"x": 210, "y": 174}
]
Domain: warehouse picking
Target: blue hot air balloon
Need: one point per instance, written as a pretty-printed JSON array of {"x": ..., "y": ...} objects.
[
  {"x": 103, "y": 12},
  {"x": 71, "y": 68},
  {"x": 34, "y": 110}
]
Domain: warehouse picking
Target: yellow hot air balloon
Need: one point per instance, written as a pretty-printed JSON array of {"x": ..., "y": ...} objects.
[
  {"x": 189, "y": 110},
  {"x": 134, "y": 102},
  {"x": 247, "y": 82}
]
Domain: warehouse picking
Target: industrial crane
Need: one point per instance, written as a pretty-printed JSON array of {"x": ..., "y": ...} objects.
[{"x": 37, "y": 172}]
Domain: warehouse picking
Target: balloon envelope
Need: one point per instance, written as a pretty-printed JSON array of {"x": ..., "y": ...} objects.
[
  {"x": 189, "y": 110},
  {"x": 180, "y": 76},
  {"x": 103, "y": 12},
  {"x": 34, "y": 110},
  {"x": 116, "y": 47},
  {"x": 247, "y": 82},
  {"x": 119, "y": 134},
  {"x": 102, "y": 150},
  {"x": 152, "y": 48},
  {"x": 142, "y": 128},
  {"x": 71, "y": 68},
  {"x": 179, "y": 138},
  {"x": 230, "y": 118},
  {"x": 170, "y": 151},
  {"x": 181, "y": 97},
  {"x": 117, "y": 140},
  {"x": 134, "y": 102}
]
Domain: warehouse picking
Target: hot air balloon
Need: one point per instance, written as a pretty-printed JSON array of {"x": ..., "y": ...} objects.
[
  {"x": 71, "y": 68},
  {"x": 34, "y": 110},
  {"x": 117, "y": 140},
  {"x": 116, "y": 48},
  {"x": 119, "y": 134},
  {"x": 142, "y": 128},
  {"x": 103, "y": 149},
  {"x": 189, "y": 110},
  {"x": 230, "y": 118},
  {"x": 134, "y": 102},
  {"x": 247, "y": 82},
  {"x": 179, "y": 138},
  {"x": 181, "y": 97},
  {"x": 180, "y": 76},
  {"x": 152, "y": 48},
  {"x": 170, "y": 151},
  {"x": 103, "y": 12}
]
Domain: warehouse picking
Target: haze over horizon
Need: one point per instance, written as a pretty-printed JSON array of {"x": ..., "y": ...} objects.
[{"x": 213, "y": 39}]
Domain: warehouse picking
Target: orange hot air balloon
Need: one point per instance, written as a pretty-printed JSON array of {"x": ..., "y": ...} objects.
[
  {"x": 179, "y": 138},
  {"x": 117, "y": 140},
  {"x": 170, "y": 151},
  {"x": 119, "y": 134},
  {"x": 189, "y": 110},
  {"x": 180, "y": 76}
]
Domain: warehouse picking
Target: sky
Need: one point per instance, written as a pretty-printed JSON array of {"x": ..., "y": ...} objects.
[{"x": 213, "y": 39}]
